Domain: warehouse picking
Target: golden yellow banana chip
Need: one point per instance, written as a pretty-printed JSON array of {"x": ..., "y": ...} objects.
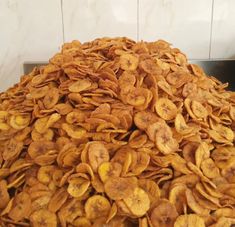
[
  {"x": 138, "y": 202},
  {"x": 38, "y": 93},
  {"x": 128, "y": 62},
  {"x": 165, "y": 142},
  {"x": 82, "y": 222},
  {"x": 5, "y": 198},
  {"x": 73, "y": 131},
  {"x": 80, "y": 85},
  {"x": 97, "y": 206},
  {"x": 194, "y": 205},
  {"x": 43, "y": 217},
  {"x": 78, "y": 186},
  {"x": 209, "y": 168},
  {"x": 181, "y": 126},
  {"x": 198, "y": 109},
  {"x": 109, "y": 169},
  {"x": 97, "y": 154},
  {"x": 51, "y": 98},
  {"x": 189, "y": 220},
  {"x": 21, "y": 207},
  {"x": 119, "y": 188},
  {"x": 164, "y": 214},
  {"x": 178, "y": 198},
  {"x": 20, "y": 121},
  {"x": 202, "y": 153},
  {"x": 57, "y": 200},
  {"x": 166, "y": 109}
]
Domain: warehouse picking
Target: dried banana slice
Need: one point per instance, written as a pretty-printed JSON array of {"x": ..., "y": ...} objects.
[
  {"x": 75, "y": 132},
  {"x": 198, "y": 109},
  {"x": 43, "y": 218},
  {"x": 127, "y": 78},
  {"x": 166, "y": 109},
  {"x": 228, "y": 170},
  {"x": 21, "y": 206},
  {"x": 44, "y": 174},
  {"x": 143, "y": 119},
  {"x": 209, "y": 168},
  {"x": 194, "y": 205},
  {"x": 129, "y": 62},
  {"x": 119, "y": 188},
  {"x": 202, "y": 153},
  {"x": 75, "y": 116},
  {"x": 80, "y": 85},
  {"x": 151, "y": 188},
  {"x": 138, "y": 202},
  {"x": 57, "y": 200},
  {"x": 97, "y": 206},
  {"x": 51, "y": 98},
  {"x": 12, "y": 149},
  {"x": 78, "y": 186},
  {"x": 38, "y": 93},
  {"x": 4, "y": 195},
  {"x": 82, "y": 222},
  {"x": 108, "y": 170},
  {"x": 19, "y": 121},
  {"x": 164, "y": 214},
  {"x": 165, "y": 142},
  {"x": 47, "y": 135},
  {"x": 178, "y": 198},
  {"x": 191, "y": 220},
  {"x": 181, "y": 126},
  {"x": 97, "y": 154}
]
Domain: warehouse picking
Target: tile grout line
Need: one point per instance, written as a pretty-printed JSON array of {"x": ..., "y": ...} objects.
[
  {"x": 211, "y": 30},
  {"x": 138, "y": 5},
  {"x": 62, "y": 18}
]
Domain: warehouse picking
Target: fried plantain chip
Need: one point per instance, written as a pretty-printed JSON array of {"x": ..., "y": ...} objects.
[
  {"x": 119, "y": 188},
  {"x": 164, "y": 214},
  {"x": 189, "y": 220},
  {"x": 97, "y": 206},
  {"x": 166, "y": 109},
  {"x": 138, "y": 202},
  {"x": 43, "y": 217}
]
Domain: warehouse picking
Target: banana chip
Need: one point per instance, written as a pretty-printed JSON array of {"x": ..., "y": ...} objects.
[
  {"x": 178, "y": 198},
  {"x": 97, "y": 154},
  {"x": 209, "y": 168},
  {"x": 97, "y": 206},
  {"x": 19, "y": 121},
  {"x": 5, "y": 198},
  {"x": 78, "y": 186},
  {"x": 166, "y": 109},
  {"x": 128, "y": 62},
  {"x": 164, "y": 214},
  {"x": 119, "y": 188},
  {"x": 43, "y": 217},
  {"x": 80, "y": 85},
  {"x": 109, "y": 169},
  {"x": 138, "y": 202},
  {"x": 51, "y": 98},
  {"x": 21, "y": 207},
  {"x": 189, "y": 220}
]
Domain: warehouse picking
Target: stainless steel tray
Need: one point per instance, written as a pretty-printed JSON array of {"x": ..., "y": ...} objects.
[{"x": 224, "y": 70}]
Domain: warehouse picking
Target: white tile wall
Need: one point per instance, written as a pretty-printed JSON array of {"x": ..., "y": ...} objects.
[
  {"x": 89, "y": 19},
  {"x": 30, "y": 30},
  {"x": 223, "y": 32},
  {"x": 185, "y": 24},
  {"x": 33, "y": 30}
]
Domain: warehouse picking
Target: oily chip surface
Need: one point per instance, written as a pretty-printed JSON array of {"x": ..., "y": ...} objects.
[{"x": 117, "y": 133}]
